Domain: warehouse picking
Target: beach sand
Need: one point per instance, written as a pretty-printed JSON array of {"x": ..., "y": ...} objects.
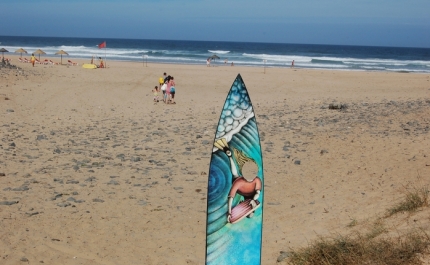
[{"x": 93, "y": 172}]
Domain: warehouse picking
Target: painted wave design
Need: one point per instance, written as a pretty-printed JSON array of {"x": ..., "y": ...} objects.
[
  {"x": 236, "y": 112},
  {"x": 229, "y": 243}
]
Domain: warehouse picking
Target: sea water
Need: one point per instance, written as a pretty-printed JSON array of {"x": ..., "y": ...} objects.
[{"x": 339, "y": 57}]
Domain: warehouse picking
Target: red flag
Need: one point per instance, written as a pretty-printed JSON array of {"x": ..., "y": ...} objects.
[{"x": 102, "y": 45}]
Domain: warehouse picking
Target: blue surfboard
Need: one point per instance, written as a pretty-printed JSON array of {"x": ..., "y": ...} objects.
[{"x": 235, "y": 202}]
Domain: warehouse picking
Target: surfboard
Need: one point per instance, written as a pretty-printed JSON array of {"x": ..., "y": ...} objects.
[
  {"x": 89, "y": 66},
  {"x": 234, "y": 224}
]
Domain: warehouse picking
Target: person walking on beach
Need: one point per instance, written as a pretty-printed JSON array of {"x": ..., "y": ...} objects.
[
  {"x": 167, "y": 89},
  {"x": 155, "y": 93},
  {"x": 32, "y": 59},
  {"x": 161, "y": 82},
  {"x": 163, "y": 89},
  {"x": 292, "y": 64},
  {"x": 172, "y": 91},
  {"x": 208, "y": 62},
  {"x": 169, "y": 86}
]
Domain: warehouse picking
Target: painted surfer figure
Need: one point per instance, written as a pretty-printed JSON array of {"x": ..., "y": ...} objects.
[{"x": 249, "y": 189}]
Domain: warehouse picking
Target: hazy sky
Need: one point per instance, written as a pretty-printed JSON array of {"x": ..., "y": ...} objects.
[{"x": 351, "y": 22}]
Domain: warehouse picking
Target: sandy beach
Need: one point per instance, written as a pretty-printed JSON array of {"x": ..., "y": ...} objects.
[{"x": 92, "y": 171}]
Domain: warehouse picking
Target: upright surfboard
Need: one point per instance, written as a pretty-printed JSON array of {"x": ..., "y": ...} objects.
[{"x": 235, "y": 202}]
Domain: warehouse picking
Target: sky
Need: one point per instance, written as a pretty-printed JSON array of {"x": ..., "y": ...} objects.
[{"x": 400, "y": 23}]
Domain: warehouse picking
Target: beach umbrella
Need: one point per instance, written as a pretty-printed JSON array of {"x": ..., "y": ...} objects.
[
  {"x": 61, "y": 52},
  {"x": 213, "y": 57},
  {"x": 21, "y": 51},
  {"x": 39, "y": 51},
  {"x": 3, "y": 50}
]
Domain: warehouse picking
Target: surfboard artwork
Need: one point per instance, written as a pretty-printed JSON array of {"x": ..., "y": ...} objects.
[{"x": 235, "y": 202}]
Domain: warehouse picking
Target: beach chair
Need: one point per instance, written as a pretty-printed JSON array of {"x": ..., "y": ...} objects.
[
  {"x": 20, "y": 60},
  {"x": 52, "y": 62},
  {"x": 71, "y": 63}
]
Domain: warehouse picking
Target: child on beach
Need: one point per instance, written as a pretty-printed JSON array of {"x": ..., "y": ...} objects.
[
  {"x": 169, "y": 90},
  {"x": 155, "y": 92},
  {"x": 33, "y": 59},
  {"x": 161, "y": 81},
  {"x": 172, "y": 95},
  {"x": 163, "y": 88}
]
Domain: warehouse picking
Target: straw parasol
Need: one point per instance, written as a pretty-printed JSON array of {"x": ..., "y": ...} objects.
[
  {"x": 21, "y": 51},
  {"x": 3, "y": 50},
  {"x": 39, "y": 51},
  {"x": 61, "y": 52},
  {"x": 213, "y": 57}
]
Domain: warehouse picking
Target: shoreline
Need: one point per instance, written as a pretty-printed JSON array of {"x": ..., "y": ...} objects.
[{"x": 220, "y": 64}]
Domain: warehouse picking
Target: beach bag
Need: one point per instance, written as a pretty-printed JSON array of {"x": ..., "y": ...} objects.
[
  {"x": 163, "y": 87},
  {"x": 172, "y": 89}
]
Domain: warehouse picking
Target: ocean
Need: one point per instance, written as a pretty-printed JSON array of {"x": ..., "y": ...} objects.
[{"x": 338, "y": 57}]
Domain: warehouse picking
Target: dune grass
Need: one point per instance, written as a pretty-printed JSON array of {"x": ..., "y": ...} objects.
[
  {"x": 359, "y": 249},
  {"x": 372, "y": 246},
  {"x": 414, "y": 199}
]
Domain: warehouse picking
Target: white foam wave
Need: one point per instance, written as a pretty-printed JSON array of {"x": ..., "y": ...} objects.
[
  {"x": 218, "y": 51},
  {"x": 373, "y": 67},
  {"x": 331, "y": 62},
  {"x": 248, "y": 59},
  {"x": 277, "y": 58},
  {"x": 314, "y": 65},
  {"x": 406, "y": 70}
]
